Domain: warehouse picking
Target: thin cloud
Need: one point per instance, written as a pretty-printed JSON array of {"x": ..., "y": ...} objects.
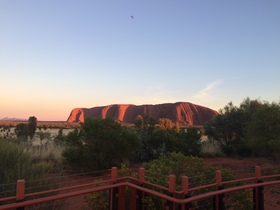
[
  {"x": 208, "y": 91},
  {"x": 154, "y": 95}
]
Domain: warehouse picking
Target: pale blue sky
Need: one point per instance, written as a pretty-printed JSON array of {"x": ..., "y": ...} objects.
[{"x": 56, "y": 55}]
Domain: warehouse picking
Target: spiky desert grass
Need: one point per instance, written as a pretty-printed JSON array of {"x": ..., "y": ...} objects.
[{"x": 47, "y": 151}]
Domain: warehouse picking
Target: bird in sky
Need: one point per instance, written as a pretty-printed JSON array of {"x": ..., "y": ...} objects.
[{"x": 132, "y": 17}]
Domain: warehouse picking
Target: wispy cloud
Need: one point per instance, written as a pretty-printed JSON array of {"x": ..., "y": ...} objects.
[
  {"x": 155, "y": 95},
  {"x": 207, "y": 93}
]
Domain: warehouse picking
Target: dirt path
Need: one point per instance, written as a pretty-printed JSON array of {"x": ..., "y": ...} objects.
[{"x": 244, "y": 167}]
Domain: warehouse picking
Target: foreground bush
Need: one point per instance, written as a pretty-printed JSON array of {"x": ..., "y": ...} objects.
[
  {"x": 165, "y": 137},
  {"x": 157, "y": 172},
  {"x": 199, "y": 174},
  {"x": 17, "y": 163},
  {"x": 101, "y": 200},
  {"x": 100, "y": 144}
]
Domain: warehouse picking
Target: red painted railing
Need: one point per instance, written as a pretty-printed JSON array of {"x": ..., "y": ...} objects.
[{"x": 139, "y": 188}]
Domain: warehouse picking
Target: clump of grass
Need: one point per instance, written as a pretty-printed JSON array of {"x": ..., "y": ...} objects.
[
  {"x": 17, "y": 162},
  {"x": 210, "y": 149},
  {"x": 48, "y": 152}
]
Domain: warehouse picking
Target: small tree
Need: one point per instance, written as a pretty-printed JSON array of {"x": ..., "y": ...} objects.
[
  {"x": 167, "y": 124},
  {"x": 252, "y": 128},
  {"x": 32, "y": 126},
  {"x": 22, "y": 131},
  {"x": 139, "y": 122},
  {"x": 144, "y": 127},
  {"x": 228, "y": 128},
  {"x": 263, "y": 131},
  {"x": 190, "y": 141}
]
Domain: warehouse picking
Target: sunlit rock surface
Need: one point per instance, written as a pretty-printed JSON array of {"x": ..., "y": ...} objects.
[{"x": 185, "y": 113}]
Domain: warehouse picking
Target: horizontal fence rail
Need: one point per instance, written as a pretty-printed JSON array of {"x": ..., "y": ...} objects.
[{"x": 139, "y": 188}]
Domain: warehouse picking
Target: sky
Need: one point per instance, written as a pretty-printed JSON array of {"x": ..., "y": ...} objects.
[{"x": 57, "y": 55}]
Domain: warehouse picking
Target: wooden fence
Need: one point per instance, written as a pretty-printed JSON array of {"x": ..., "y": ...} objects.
[{"x": 128, "y": 192}]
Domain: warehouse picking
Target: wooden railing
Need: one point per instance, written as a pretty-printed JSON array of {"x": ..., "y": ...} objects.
[{"x": 140, "y": 188}]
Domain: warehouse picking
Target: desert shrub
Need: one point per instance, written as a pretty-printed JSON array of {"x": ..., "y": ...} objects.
[
  {"x": 160, "y": 141},
  {"x": 18, "y": 163},
  {"x": 22, "y": 131},
  {"x": 199, "y": 174},
  {"x": 101, "y": 200},
  {"x": 32, "y": 126},
  {"x": 210, "y": 149},
  {"x": 100, "y": 144},
  {"x": 97, "y": 200},
  {"x": 164, "y": 138},
  {"x": 60, "y": 138},
  {"x": 190, "y": 141},
  {"x": 179, "y": 165},
  {"x": 250, "y": 129},
  {"x": 48, "y": 152},
  {"x": 25, "y": 130},
  {"x": 43, "y": 135},
  {"x": 263, "y": 131}
]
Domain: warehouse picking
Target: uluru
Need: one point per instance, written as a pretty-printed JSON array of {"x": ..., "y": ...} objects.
[{"x": 184, "y": 113}]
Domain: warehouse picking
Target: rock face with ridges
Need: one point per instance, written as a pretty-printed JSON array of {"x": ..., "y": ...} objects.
[{"x": 185, "y": 113}]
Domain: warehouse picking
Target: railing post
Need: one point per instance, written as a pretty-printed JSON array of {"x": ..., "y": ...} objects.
[
  {"x": 172, "y": 187},
  {"x": 20, "y": 192},
  {"x": 114, "y": 191},
  {"x": 118, "y": 194},
  {"x": 114, "y": 174},
  {"x": 139, "y": 193},
  {"x": 218, "y": 201},
  {"x": 133, "y": 196},
  {"x": 185, "y": 189},
  {"x": 141, "y": 175},
  {"x": 121, "y": 197},
  {"x": 258, "y": 196}
]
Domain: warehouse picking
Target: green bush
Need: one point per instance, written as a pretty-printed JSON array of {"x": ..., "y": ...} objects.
[
  {"x": 100, "y": 144},
  {"x": 199, "y": 174},
  {"x": 157, "y": 172},
  {"x": 253, "y": 128},
  {"x": 263, "y": 131},
  {"x": 18, "y": 163},
  {"x": 165, "y": 138},
  {"x": 190, "y": 141},
  {"x": 101, "y": 200},
  {"x": 98, "y": 200}
]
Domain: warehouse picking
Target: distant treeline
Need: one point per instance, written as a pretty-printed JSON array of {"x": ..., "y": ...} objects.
[{"x": 42, "y": 124}]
